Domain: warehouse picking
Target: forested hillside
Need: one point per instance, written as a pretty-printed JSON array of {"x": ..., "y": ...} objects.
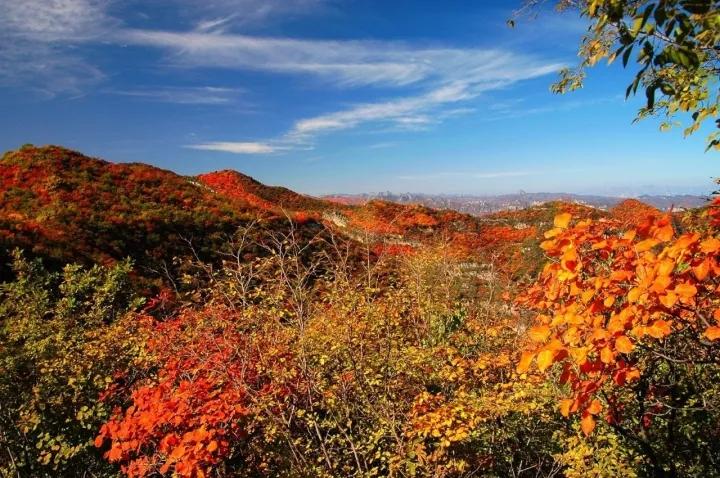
[{"x": 285, "y": 335}]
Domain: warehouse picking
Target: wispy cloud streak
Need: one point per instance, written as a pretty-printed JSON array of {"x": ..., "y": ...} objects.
[
  {"x": 235, "y": 147},
  {"x": 200, "y": 95}
]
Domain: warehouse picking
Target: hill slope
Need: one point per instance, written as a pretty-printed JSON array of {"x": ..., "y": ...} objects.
[
  {"x": 67, "y": 207},
  {"x": 275, "y": 199}
]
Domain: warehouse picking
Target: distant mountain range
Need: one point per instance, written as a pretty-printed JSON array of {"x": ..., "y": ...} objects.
[{"x": 478, "y": 204}]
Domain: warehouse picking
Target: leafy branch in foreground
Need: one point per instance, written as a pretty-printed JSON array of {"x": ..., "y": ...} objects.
[{"x": 675, "y": 45}]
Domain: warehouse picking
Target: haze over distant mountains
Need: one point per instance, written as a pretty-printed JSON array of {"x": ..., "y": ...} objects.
[{"x": 482, "y": 204}]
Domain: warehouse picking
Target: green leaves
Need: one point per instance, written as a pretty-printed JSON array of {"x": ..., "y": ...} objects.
[
  {"x": 677, "y": 65},
  {"x": 62, "y": 335}
]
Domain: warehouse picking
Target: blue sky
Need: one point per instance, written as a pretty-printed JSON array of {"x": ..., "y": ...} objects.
[{"x": 333, "y": 96}]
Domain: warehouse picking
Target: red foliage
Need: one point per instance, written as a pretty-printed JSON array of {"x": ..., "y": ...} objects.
[
  {"x": 230, "y": 184},
  {"x": 394, "y": 249},
  {"x": 632, "y": 212},
  {"x": 71, "y": 208},
  {"x": 276, "y": 199},
  {"x": 191, "y": 416}
]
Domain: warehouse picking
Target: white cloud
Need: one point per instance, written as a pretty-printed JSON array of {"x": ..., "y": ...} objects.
[
  {"x": 430, "y": 107},
  {"x": 436, "y": 82},
  {"x": 39, "y": 38},
  {"x": 383, "y": 145},
  {"x": 36, "y": 39},
  {"x": 45, "y": 69},
  {"x": 54, "y": 20},
  {"x": 242, "y": 13},
  {"x": 343, "y": 63},
  {"x": 346, "y": 63},
  {"x": 201, "y": 95},
  {"x": 234, "y": 147},
  {"x": 439, "y": 77}
]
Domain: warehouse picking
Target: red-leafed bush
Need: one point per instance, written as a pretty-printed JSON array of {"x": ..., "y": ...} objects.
[{"x": 191, "y": 415}]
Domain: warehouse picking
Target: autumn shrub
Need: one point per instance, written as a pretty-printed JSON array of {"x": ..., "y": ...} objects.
[
  {"x": 629, "y": 328},
  {"x": 400, "y": 367},
  {"x": 64, "y": 338}
]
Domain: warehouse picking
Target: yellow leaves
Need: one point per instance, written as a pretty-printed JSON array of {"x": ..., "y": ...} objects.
[
  {"x": 545, "y": 359},
  {"x": 553, "y": 233},
  {"x": 646, "y": 245},
  {"x": 659, "y": 329},
  {"x": 710, "y": 246},
  {"x": 562, "y": 220},
  {"x": 669, "y": 300},
  {"x": 540, "y": 333},
  {"x": 634, "y": 294},
  {"x": 606, "y": 355},
  {"x": 665, "y": 267},
  {"x": 212, "y": 446},
  {"x": 548, "y": 245},
  {"x": 599, "y": 334},
  {"x": 712, "y": 333},
  {"x": 525, "y": 361},
  {"x": 624, "y": 345},
  {"x": 587, "y": 424},
  {"x": 566, "y": 406},
  {"x": 702, "y": 269},
  {"x": 579, "y": 355},
  {"x": 686, "y": 291}
]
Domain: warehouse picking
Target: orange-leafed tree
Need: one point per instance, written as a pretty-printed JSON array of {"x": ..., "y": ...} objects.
[{"x": 629, "y": 325}]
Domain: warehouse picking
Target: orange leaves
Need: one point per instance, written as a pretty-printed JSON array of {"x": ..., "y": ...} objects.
[
  {"x": 183, "y": 419},
  {"x": 587, "y": 424},
  {"x": 606, "y": 355},
  {"x": 562, "y": 220},
  {"x": 712, "y": 333},
  {"x": 710, "y": 245},
  {"x": 646, "y": 245},
  {"x": 566, "y": 407},
  {"x": 606, "y": 290},
  {"x": 634, "y": 294},
  {"x": 540, "y": 333},
  {"x": 668, "y": 300},
  {"x": 686, "y": 291},
  {"x": 569, "y": 259},
  {"x": 595, "y": 407},
  {"x": 665, "y": 267},
  {"x": 525, "y": 360},
  {"x": 624, "y": 345},
  {"x": 702, "y": 269},
  {"x": 545, "y": 359}
]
